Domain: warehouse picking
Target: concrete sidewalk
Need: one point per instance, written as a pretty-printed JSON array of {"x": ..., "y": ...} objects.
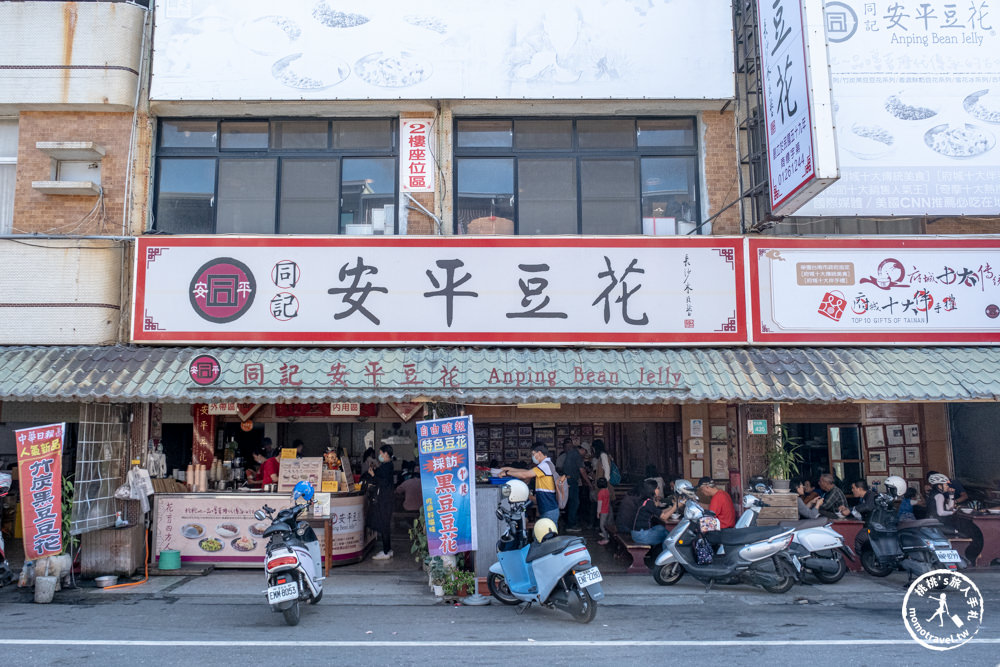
[{"x": 409, "y": 588}]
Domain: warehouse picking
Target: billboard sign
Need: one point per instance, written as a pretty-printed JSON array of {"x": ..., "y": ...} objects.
[
  {"x": 448, "y": 49},
  {"x": 440, "y": 290},
  {"x": 916, "y": 87},
  {"x": 842, "y": 291},
  {"x": 448, "y": 479},
  {"x": 801, "y": 147}
]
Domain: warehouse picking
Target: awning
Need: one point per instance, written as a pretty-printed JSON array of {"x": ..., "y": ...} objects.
[{"x": 499, "y": 375}]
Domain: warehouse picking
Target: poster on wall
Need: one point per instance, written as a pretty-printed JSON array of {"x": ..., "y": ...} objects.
[
  {"x": 448, "y": 49},
  {"x": 911, "y": 434},
  {"x": 39, "y": 470},
  {"x": 291, "y": 471},
  {"x": 874, "y": 436},
  {"x": 447, "y": 476},
  {"x": 894, "y": 434},
  {"x": 849, "y": 290},
  {"x": 917, "y": 108},
  {"x": 720, "y": 462}
]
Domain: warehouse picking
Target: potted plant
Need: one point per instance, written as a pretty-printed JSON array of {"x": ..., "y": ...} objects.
[
  {"x": 782, "y": 459},
  {"x": 418, "y": 539},
  {"x": 438, "y": 575},
  {"x": 459, "y": 583}
]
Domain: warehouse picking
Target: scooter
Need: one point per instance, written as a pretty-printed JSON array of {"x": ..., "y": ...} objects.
[
  {"x": 915, "y": 546},
  {"x": 292, "y": 564},
  {"x": 819, "y": 549},
  {"x": 554, "y": 571},
  {"x": 6, "y": 576},
  {"x": 757, "y": 556}
]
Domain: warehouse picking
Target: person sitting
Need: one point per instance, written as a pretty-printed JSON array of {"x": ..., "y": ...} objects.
[
  {"x": 411, "y": 492},
  {"x": 865, "y": 504},
  {"x": 648, "y": 526},
  {"x": 809, "y": 492},
  {"x": 906, "y": 512},
  {"x": 628, "y": 506},
  {"x": 833, "y": 497},
  {"x": 941, "y": 506},
  {"x": 719, "y": 503},
  {"x": 807, "y": 509}
]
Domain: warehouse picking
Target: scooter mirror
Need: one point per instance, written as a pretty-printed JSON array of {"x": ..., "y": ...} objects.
[{"x": 259, "y": 515}]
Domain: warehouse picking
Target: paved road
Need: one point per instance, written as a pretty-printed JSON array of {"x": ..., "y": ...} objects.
[{"x": 220, "y": 619}]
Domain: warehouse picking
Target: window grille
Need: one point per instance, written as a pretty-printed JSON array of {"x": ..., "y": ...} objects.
[{"x": 100, "y": 466}]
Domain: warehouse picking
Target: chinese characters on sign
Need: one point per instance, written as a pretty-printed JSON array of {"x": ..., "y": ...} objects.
[
  {"x": 204, "y": 434},
  {"x": 39, "y": 467},
  {"x": 447, "y": 476},
  {"x": 416, "y": 161},
  {"x": 449, "y": 290}
]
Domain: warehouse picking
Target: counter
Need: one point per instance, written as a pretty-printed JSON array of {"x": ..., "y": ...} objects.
[{"x": 220, "y": 529}]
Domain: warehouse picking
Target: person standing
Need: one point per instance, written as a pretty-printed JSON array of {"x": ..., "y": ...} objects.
[
  {"x": 384, "y": 499},
  {"x": 268, "y": 473},
  {"x": 603, "y": 510},
  {"x": 719, "y": 502},
  {"x": 544, "y": 475},
  {"x": 573, "y": 469}
]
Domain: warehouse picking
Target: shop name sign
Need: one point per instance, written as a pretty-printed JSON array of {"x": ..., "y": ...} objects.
[
  {"x": 440, "y": 290},
  {"x": 876, "y": 291},
  {"x": 798, "y": 110}
]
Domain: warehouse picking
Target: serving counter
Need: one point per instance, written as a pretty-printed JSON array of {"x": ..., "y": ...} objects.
[{"x": 220, "y": 529}]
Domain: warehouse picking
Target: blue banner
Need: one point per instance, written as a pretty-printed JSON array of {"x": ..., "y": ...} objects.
[{"x": 447, "y": 477}]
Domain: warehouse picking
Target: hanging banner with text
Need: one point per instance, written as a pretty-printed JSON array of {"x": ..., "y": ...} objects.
[
  {"x": 447, "y": 476},
  {"x": 926, "y": 291},
  {"x": 438, "y": 290},
  {"x": 39, "y": 468}
]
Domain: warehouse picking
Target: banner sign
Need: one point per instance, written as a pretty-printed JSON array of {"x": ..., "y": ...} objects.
[
  {"x": 437, "y": 290},
  {"x": 928, "y": 291},
  {"x": 416, "y": 158},
  {"x": 204, "y": 434},
  {"x": 447, "y": 476},
  {"x": 448, "y": 49},
  {"x": 801, "y": 147},
  {"x": 39, "y": 468},
  {"x": 917, "y": 86}
]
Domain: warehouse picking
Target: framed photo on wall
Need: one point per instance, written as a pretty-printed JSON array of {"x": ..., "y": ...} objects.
[
  {"x": 696, "y": 446},
  {"x": 911, "y": 434},
  {"x": 524, "y": 431},
  {"x": 894, "y": 434},
  {"x": 915, "y": 472},
  {"x": 896, "y": 456},
  {"x": 718, "y": 432},
  {"x": 598, "y": 430},
  {"x": 898, "y": 471},
  {"x": 874, "y": 436},
  {"x": 912, "y": 456},
  {"x": 720, "y": 461},
  {"x": 877, "y": 461},
  {"x": 697, "y": 469}
]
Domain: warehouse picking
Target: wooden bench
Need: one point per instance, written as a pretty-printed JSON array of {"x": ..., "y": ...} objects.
[{"x": 637, "y": 553}]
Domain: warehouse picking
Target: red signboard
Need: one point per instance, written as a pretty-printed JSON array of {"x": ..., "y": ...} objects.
[
  {"x": 204, "y": 435},
  {"x": 39, "y": 465}
]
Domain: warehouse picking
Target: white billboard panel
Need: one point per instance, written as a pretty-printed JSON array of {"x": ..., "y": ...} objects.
[
  {"x": 916, "y": 88},
  {"x": 390, "y": 49}
]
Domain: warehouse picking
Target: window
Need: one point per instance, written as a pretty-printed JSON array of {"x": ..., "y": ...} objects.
[
  {"x": 8, "y": 170},
  {"x": 315, "y": 176},
  {"x": 793, "y": 226},
  {"x": 618, "y": 176}
]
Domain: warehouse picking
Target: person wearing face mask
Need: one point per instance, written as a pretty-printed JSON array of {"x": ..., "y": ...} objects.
[
  {"x": 544, "y": 475},
  {"x": 382, "y": 475}
]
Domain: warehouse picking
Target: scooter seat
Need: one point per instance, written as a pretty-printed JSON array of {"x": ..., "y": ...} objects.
[
  {"x": 920, "y": 523},
  {"x": 802, "y": 524},
  {"x": 550, "y": 546},
  {"x": 734, "y": 536}
]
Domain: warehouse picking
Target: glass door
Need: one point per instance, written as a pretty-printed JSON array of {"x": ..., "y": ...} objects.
[{"x": 845, "y": 452}]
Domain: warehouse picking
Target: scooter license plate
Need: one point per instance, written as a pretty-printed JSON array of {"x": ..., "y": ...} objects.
[
  {"x": 588, "y": 577},
  {"x": 276, "y": 594},
  {"x": 948, "y": 556}
]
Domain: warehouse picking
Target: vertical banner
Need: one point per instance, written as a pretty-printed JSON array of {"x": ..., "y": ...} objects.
[
  {"x": 204, "y": 435},
  {"x": 447, "y": 475},
  {"x": 416, "y": 161},
  {"x": 39, "y": 466}
]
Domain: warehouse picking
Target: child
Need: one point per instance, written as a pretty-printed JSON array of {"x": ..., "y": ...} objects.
[{"x": 603, "y": 508}]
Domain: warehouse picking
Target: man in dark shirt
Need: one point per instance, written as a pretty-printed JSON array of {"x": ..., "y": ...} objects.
[
  {"x": 833, "y": 498},
  {"x": 573, "y": 469}
]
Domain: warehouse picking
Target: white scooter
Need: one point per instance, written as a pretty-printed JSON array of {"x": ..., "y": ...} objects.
[
  {"x": 817, "y": 547},
  {"x": 292, "y": 565}
]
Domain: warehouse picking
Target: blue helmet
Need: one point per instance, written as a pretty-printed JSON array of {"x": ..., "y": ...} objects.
[{"x": 303, "y": 490}]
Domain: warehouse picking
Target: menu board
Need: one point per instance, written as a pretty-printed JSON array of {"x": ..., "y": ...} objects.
[
  {"x": 293, "y": 471},
  {"x": 211, "y": 528}
]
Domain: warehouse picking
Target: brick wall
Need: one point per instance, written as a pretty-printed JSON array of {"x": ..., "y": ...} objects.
[
  {"x": 35, "y": 212},
  {"x": 963, "y": 226},
  {"x": 721, "y": 170},
  {"x": 418, "y": 222}
]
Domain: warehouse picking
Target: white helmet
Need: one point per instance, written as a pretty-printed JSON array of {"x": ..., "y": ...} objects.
[
  {"x": 693, "y": 511},
  {"x": 515, "y": 491},
  {"x": 937, "y": 478},
  {"x": 896, "y": 485},
  {"x": 543, "y": 528},
  {"x": 684, "y": 488}
]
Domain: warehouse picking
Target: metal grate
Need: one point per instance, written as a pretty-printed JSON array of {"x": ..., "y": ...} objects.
[
  {"x": 100, "y": 466},
  {"x": 754, "y": 446},
  {"x": 750, "y": 121}
]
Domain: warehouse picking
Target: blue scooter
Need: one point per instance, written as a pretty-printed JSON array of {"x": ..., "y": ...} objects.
[{"x": 551, "y": 570}]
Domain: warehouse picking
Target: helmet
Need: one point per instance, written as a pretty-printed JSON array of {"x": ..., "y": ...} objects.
[
  {"x": 515, "y": 491},
  {"x": 895, "y": 485},
  {"x": 693, "y": 511},
  {"x": 936, "y": 478},
  {"x": 750, "y": 502},
  {"x": 303, "y": 490},
  {"x": 684, "y": 488},
  {"x": 544, "y": 528}
]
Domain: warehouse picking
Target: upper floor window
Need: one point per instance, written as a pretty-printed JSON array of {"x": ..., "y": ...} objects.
[
  {"x": 8, "y": 172},
  {"x": 276, "y": 177},
  {"x": 798, "y": 226},
  {"x": 545, "y": 176}
]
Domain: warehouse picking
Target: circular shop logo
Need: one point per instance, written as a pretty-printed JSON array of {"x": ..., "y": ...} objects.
[
  {"x": 942, "y": 610},
  {"x": 222, "y": 290},
  {"x": 205, "y": 369},
  {"x": 841, "y": 22},
  {"x": 992, "y": 311}
]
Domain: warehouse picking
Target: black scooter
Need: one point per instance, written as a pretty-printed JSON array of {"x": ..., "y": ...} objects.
[{"x": 914, "y": 546}]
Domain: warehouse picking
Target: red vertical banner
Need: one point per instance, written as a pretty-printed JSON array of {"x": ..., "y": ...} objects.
[
  {"x": 39, "y": 465},
  {"x": 204, "y": 435}
]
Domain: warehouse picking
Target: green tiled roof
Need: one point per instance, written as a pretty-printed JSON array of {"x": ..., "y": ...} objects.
[{"x": 504, "y": 375}]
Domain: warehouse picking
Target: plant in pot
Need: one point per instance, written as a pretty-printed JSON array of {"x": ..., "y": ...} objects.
[
  {"x": 459, "y": 583},
  {"x": 782, "y": 459},
  {"x": 418, "y": 540},
  {"x": 437, "y": 575}
]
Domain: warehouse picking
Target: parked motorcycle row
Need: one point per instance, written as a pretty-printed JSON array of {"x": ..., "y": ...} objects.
[{"x": 557, "y": 571}]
